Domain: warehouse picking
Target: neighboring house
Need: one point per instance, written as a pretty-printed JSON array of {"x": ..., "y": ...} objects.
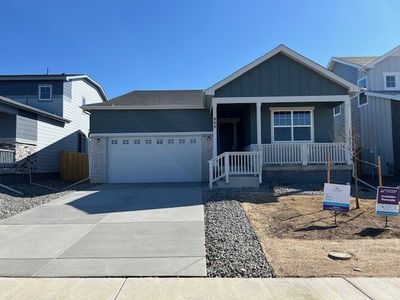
[
  {"x": 274, "y": 113},
  {"x": 40, "y": 115},
  {"x": 376, "y": 109}
]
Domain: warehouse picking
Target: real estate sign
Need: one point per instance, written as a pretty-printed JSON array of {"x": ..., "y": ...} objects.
[
  {"x": 387, "y": 201},
  {"x": 336, "y": 197}
]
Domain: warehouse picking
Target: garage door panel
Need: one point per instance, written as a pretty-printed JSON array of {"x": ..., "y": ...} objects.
[{"x": 154, "y": 159}]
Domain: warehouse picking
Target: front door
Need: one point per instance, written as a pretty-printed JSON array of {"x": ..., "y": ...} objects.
[{"x": 226, "y": 136}]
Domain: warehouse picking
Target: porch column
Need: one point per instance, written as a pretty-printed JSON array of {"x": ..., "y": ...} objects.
[
  {"x": 215, "y": 124},
  {"x": 259, "y": 142},
  {"x": 348, "y": 129}
]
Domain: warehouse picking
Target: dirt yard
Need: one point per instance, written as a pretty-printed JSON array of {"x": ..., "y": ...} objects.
[{"x": 297, "y": 235}]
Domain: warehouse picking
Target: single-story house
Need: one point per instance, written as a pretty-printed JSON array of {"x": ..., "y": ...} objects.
[{"x": 272, "y": 118}]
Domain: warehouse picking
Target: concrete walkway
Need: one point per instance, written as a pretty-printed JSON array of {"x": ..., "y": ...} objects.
[
  {"x": 199, "y": 288},
  {"x": 109, "y": 230}
]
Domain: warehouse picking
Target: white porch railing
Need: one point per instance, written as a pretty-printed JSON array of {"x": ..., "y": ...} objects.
[
  {"x": 304, "y": 153},
  {"x": 7, "y": 157},
  {"x": 235, "y": 163}
]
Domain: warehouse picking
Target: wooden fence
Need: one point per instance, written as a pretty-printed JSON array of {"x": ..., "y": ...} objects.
[{"x": 73, "y": 166}]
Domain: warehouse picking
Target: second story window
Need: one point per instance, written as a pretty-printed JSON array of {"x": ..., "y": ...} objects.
[
  {"x": 45, "y": 92},
  {"x": 391, "y": 81},
  {"x": 362, "y": 82}
]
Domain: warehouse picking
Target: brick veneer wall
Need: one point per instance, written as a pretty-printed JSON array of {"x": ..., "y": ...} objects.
[{"x": 98, "y": 160}]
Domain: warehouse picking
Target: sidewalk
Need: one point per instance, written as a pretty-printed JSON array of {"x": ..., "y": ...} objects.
[{"x": 199, "y": 288}]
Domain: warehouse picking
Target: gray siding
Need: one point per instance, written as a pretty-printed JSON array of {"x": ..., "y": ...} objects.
[
  {"x": 323, "y": 121},
  {"x": 280, "y": 76},
  {"x": 26, "y": 129},
  {"x": 7, "y": 126},
  {"x": 375, "y": 131},
  {"x": 375, "y": 75},
  {"x": 122, "y": 121},
  {"x": 346, "y": 72},
  {"x": 27, "y": 92}
]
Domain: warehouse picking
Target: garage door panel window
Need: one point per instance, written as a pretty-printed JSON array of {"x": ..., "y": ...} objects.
[{"x": 292, "y": 125}]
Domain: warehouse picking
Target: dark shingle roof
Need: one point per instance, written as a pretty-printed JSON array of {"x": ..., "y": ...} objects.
[
  {"x": 357, "y": 60},
  {"x": 156, "y": 98}
]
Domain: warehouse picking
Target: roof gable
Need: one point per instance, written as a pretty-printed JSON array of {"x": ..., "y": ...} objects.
[{"x": 282, "y": 49}]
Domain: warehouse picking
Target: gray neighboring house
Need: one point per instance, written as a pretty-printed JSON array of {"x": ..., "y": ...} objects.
[
  {"x": 40, "y": 115},
  {"x": 376, "y": 109},
  {"x": 270, "y": 120}
]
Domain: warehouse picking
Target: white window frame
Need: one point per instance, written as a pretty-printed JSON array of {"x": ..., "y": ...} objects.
[
  {"x": 292, "y": 126},
  {"x": 396, "y": 80},
  {"x": 340, "y": 110},
  {"x": 40, "y": 94},
  {"x": 358, "y": 100},
  {"x": 366, "y": 82}
]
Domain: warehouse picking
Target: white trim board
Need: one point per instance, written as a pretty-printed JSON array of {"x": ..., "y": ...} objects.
[
  {"x": 140, "y": 107},
  {"x": 385, "y": 96},
  {"x": 282, "y": 99},
  {"x": 150, "y": 134},
  {"x": 293, "y": 55},
  {"x": 380, "y": 58}
]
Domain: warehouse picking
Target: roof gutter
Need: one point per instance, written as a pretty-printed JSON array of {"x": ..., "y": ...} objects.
[{"x": 140, "y": 107}]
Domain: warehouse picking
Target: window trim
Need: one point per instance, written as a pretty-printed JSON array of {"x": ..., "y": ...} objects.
[
  {"x": 358, "y": 100},
  {"x": 396, "y": 81},
  {"x": 51, "y": 92},
  {"x": 292, "y": 109},
  {"x": 340, "y": 110},
  {"x": 366, "y": 82}
]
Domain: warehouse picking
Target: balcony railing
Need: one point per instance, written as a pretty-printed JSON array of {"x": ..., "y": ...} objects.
[{"x": 304, "y": 153}]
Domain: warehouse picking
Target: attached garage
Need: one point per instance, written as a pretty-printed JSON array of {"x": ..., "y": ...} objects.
[{"x": 154, "y": 159}]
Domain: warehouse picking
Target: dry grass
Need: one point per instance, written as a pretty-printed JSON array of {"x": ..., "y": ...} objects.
[{"x": 296, "y": 235}]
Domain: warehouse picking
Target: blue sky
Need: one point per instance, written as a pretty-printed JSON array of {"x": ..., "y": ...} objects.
[{"x": 128, "y": 45}]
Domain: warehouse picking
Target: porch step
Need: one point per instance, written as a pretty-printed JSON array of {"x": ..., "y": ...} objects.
[{"x": 239, "y": 181}]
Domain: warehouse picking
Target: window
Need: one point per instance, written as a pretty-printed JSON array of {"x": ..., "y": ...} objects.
[
  {"x": 292, "y": 125},
  {"x": 45, "y": 92},
  {"x": 159, "y": 141},
  {"x": 170, "y": 141},
  {"x": 83, "y": 101},
  {"x": 114, "y": 142},
  {"x": 181, "y": 141},
  {"x": 392, "y": 81},
  {"x": 148, "y": 142},
  {"x": 362, "y": 82},
  {"x": 362, "y": 99},
  {"x": 125, "y": 142},
  {"x": 136, "y": 142},
  {"x": 337, "y": 110},
  {"x": 193, "y": 141}
]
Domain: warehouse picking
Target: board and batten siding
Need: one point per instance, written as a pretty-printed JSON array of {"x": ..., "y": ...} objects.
[
  {"x": 376, "y": 133},
  {"x": 375, "y": 75},
  {"x": 167, "y": 120},
  {"x": 280, "y": 76},
  {"x": 54, "y": 137}
]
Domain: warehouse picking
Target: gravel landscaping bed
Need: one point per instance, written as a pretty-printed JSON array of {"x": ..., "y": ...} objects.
[
  {"x": 232, "y": 247},
  {"x": 12, "y": 203}
]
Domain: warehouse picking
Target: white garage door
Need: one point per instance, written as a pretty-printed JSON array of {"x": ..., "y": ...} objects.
[{"x": 154, "y": 159}]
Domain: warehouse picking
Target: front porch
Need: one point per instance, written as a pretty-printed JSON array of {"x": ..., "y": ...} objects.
[{"x": 252, "y": 138}]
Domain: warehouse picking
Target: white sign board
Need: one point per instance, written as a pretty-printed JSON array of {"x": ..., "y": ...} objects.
[{"x": 336, "y": 197}]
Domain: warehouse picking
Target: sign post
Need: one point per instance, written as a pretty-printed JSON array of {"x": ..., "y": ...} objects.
[
  {"x": 336, "y": 198},
  {"x": 387, "y": 202}
]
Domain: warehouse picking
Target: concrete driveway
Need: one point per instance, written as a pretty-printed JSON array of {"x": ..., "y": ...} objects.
[{"x": 109, "y": 230}]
